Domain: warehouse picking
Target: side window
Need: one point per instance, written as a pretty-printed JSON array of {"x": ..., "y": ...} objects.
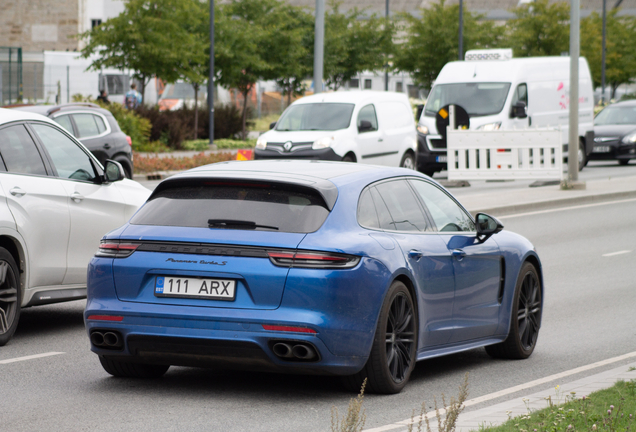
[
  {"x": 65, "y": 122},
  {"x": 367, "y": 113},
  {"x": 446, "y": 214},
  {"x": 101, "y": 127},
  {"x": 403, "y": 206},
  {"x": 19, "y": 152},
  {"x": 367, "y": 216},
  {"x": 384, "y": 217},
  {"x": 69, "y": 160},
  {"x": 521, "y": 94},
  {"x": 86, "y": 126}
]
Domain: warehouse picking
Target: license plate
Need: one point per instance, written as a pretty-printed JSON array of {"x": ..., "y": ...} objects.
[
  {"x": 441, "y": 159},
  {"x": 212, "y": 289},
  {"x": 601, "y": 149}
]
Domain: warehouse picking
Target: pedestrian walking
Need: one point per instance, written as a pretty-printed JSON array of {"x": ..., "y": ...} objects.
[{"x": 133, "y": 98}]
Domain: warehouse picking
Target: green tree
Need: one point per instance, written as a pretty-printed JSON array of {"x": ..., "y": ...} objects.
[
  {"x": 146, "y": 38},
  {"x": 620, "y": 61},
  {"x": 290, "y": 44},
  {"x": 354, "y": 43},
  {"x": 540, "y": 29},
  {"x": 432, "y": 40}
]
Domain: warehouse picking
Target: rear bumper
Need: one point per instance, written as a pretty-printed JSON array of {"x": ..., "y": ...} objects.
[{"x": 213, "y": 343}]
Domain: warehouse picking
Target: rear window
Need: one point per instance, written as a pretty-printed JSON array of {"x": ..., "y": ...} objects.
[{"x": 223, "y": 205}]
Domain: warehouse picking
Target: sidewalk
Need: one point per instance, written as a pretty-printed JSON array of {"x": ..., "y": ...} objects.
[{"x": 500, "y": 413}]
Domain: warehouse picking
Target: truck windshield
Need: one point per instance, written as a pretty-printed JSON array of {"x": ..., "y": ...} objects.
[
  {"x": 316, "y": 116},
  {"x": 478, "y": 99},
  {"x": 616, "y": 115}
]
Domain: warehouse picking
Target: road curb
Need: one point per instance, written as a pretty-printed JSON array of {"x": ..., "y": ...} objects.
[{"x": 553, "y": 204}]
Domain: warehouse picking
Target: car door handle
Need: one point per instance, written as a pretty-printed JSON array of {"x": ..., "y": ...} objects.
[
  {"x": 458, "y": 253},
  {"x": 77, "y": 197},
  {"x": 415, "y": 254},
  {"x": 106, "y": 146},
  {"x": 380, "y": 140},
  {"x": 16, "y": 191}
]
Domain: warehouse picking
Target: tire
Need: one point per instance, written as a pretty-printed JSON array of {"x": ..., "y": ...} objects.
[
  {"x": 349, "y": 158},
  {"x": 408, "y": 161},
  {"x": 132, "y": 370},
  {"x": 623, "y": 162},
  {"x": 582, "y": 157},
  {"x": 126, "y": 164},
  {"x": 525, "y": 318},
  {"x": 10, "y": 296},
  {"x": 429, "y": 172},
  {"x": 392, "y": 357}
]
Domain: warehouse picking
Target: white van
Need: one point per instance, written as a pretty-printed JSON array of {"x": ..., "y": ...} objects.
[
  {"x": 501, "y": 92},
  {"x": 355, "y": 126}
]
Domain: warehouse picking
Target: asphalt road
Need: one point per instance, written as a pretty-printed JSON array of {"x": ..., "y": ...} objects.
[{"x": 588, "y": 316}]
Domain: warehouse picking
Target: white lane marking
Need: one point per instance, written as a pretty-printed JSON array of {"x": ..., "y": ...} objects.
[
  {"x": 511, "y": 390},
  {"x": 616, "y": 253},
  {"x": 566, "y": 208},
  {"x": 31, "y": 357}
]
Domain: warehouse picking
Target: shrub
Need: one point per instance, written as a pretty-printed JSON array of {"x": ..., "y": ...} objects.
[{"x": 174, "y": 127}]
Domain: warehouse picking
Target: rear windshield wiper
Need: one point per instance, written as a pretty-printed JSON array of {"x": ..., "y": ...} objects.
[{"x": 232, "y": 223}]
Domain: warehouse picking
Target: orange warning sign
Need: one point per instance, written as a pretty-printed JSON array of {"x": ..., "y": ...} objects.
[
  {"x": 244, "y": 155},
  {"x": 443, "y": 113}
]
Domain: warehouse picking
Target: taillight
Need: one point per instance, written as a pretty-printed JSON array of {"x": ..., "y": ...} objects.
[
  {"x": 129, "y": 139},
  {"x": 325, "y": 260},
  {"x": 105, "y": 318},
  {"x": 115, "y": 249}
]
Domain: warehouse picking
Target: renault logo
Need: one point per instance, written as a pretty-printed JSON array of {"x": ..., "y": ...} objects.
[{"x": 287, "y": 146}]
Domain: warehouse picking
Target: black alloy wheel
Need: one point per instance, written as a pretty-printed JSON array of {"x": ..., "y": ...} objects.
[
  {"x": 525, "y": 319},
  {"x": 9, "y": 296},
  {"x": 393, "y": 353}
]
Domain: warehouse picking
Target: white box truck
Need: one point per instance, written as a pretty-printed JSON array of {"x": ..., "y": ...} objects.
[{"x": 501, "y": 92}]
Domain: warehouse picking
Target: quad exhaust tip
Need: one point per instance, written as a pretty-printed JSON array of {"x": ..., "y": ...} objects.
[
  {"x": 294, "y": 351},
  {"x": 107, "y": 339}
]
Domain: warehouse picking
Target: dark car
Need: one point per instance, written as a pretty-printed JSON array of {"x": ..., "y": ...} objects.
[
  {"x": 95, "y": 127},
  {"x": 309, "y": 267},
  {"x": 615, "y": 133}
]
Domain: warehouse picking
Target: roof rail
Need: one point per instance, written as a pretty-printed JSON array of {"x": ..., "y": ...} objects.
[{"x": 84, "y": 104}]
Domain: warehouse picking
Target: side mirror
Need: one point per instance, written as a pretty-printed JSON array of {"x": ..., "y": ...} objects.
[
  {"x": 365, "y": 126},
  {"x": 272, "y": 125},
  {"x": 113, "y": 171},
  {"x": 487, "y": 225},
  {"x": 518, "y": 110},
  {"x": 418, "y": 114}
]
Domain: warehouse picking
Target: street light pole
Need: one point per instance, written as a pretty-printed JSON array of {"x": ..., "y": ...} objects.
[
  {"x": 603, "y": 52},
  {"x": 211, "y": 77},
  {"x": 461, "y": 29},
  {"x": 573, "y": 136},
  {"x": 386, "y": 66},
  {"x": 319, "y": 45}
]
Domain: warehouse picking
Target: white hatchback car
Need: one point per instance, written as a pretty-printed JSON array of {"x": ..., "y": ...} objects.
[
  {"x": 56, "y": 202},
  {"x": 352, "y": 126}
]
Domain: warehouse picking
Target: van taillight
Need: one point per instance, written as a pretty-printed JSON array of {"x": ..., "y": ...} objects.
[
  {"x": 116, "y": 249},
  {"x": 326, "y": 260}
]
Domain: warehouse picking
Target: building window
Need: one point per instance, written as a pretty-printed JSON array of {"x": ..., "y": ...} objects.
[
  {"x": 354, "y": 83},
  {"x": 95, "y": 23},
  {"x": 398, "y": 87},
  {"x": 367, "y": 84}
]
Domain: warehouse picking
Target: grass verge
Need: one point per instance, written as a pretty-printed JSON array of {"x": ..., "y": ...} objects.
[
  {"x": 611, "y": 409},
  {"x": 221, "y": 144},
  {"x": 262, "y": 124}
]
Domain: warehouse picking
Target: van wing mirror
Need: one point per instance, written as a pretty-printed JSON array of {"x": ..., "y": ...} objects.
[
  {"x": 272, "y": 125},
  {"x": 487, "y": 226},
  {"x": 519, "y": 110},
  {"x": 365, "y": 126}
]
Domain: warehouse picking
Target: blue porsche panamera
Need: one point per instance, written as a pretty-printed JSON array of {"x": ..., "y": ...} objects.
[{"x": 309, "y": 267}]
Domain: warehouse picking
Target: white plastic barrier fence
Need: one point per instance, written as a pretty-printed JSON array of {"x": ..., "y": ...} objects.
[{"x": 530, "y": 154}]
